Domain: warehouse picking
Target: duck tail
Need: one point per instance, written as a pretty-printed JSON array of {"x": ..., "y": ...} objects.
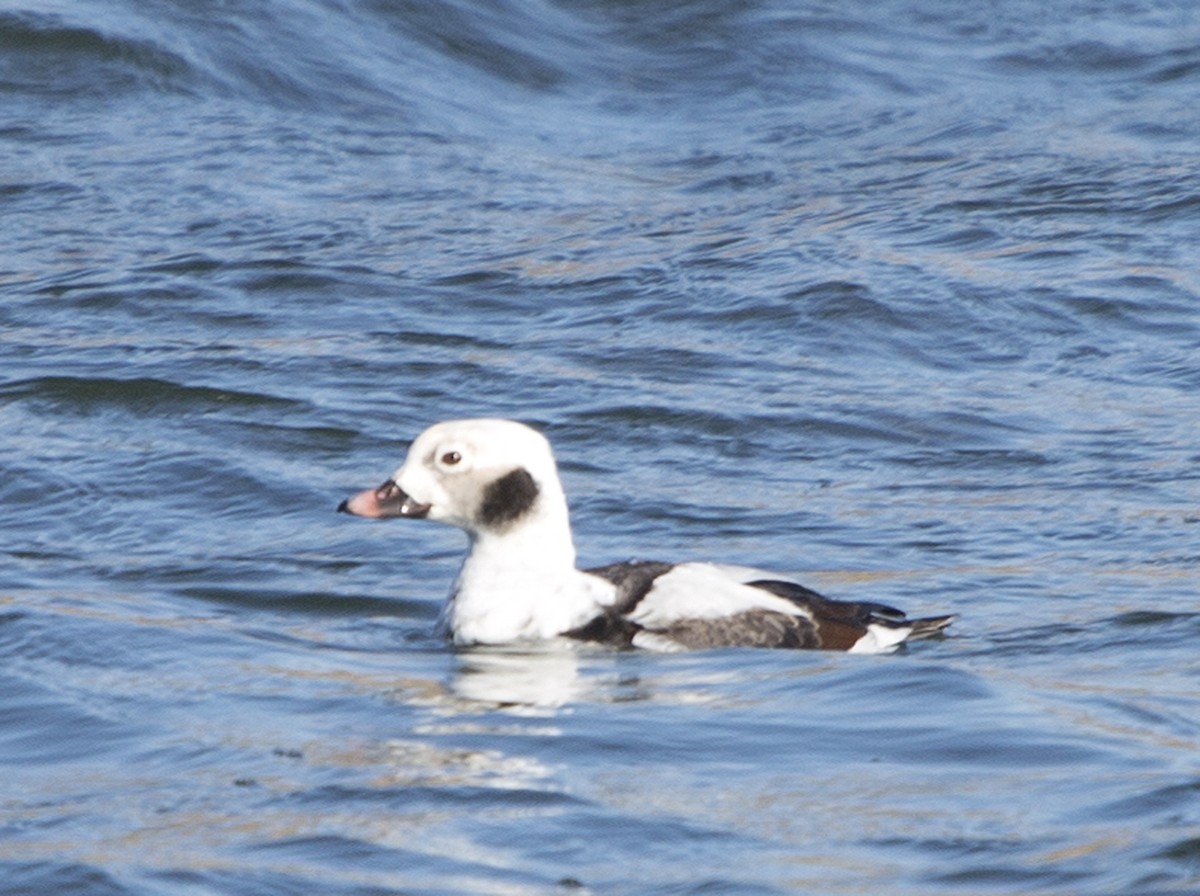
[{"x": 929, "y": 627}]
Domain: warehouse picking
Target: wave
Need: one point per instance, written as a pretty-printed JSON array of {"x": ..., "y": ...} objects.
[
  {"x": 702, "y": 62},
  {"x": 464, "y": 57},
  {"x": 87, "y": 394},
  {"x": 49, "y": 56}
]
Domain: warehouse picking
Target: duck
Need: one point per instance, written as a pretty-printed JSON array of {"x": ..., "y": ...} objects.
[{"x": 497, "y": 480}]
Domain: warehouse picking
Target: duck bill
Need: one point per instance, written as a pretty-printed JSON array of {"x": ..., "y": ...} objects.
[{"x": 385, "y": 502}]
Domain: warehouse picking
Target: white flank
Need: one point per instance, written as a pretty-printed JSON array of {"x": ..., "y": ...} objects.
[{"x": 703, "y": 591}]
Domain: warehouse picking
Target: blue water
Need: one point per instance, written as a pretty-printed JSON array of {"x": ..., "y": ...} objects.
[{"x": 901, "y": 298}]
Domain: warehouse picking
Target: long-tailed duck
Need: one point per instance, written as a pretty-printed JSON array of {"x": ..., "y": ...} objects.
[{"x": 497, "y": 480}]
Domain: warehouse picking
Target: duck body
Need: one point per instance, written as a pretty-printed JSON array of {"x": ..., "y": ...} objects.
[{"x": 498, "y": 481}]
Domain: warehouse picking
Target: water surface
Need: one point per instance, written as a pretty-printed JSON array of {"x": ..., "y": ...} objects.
[{"x": 897, "y": 298}]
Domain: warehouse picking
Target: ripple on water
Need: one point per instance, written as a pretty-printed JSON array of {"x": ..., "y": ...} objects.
[{"x": 62, "y": 877}]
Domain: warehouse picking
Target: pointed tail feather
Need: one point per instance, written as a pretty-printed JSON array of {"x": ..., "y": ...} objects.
[{"x": 929, "y": 627}]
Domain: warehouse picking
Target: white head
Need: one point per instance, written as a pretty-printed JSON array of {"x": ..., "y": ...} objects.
[
  {"x": 486, "y": 476},
  {"x": 497, "y": 480}
]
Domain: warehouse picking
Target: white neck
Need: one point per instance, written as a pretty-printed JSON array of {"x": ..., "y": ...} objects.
[{"x": 521, "y": 583}]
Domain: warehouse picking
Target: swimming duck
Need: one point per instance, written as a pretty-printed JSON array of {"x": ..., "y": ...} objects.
[{"x": 497, "y": 480}]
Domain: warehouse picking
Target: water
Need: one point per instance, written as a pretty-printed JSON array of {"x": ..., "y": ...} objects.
[{"x": 899, "y": 298}]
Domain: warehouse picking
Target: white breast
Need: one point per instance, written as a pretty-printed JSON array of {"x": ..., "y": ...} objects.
[{"x": 501, "y": 603}]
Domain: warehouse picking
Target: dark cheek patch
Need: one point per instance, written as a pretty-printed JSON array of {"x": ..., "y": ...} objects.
[{"x": 508, "y": 498}]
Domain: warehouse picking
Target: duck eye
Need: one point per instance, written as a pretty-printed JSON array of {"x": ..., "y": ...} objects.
[{"x": 450, "y": 458}]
